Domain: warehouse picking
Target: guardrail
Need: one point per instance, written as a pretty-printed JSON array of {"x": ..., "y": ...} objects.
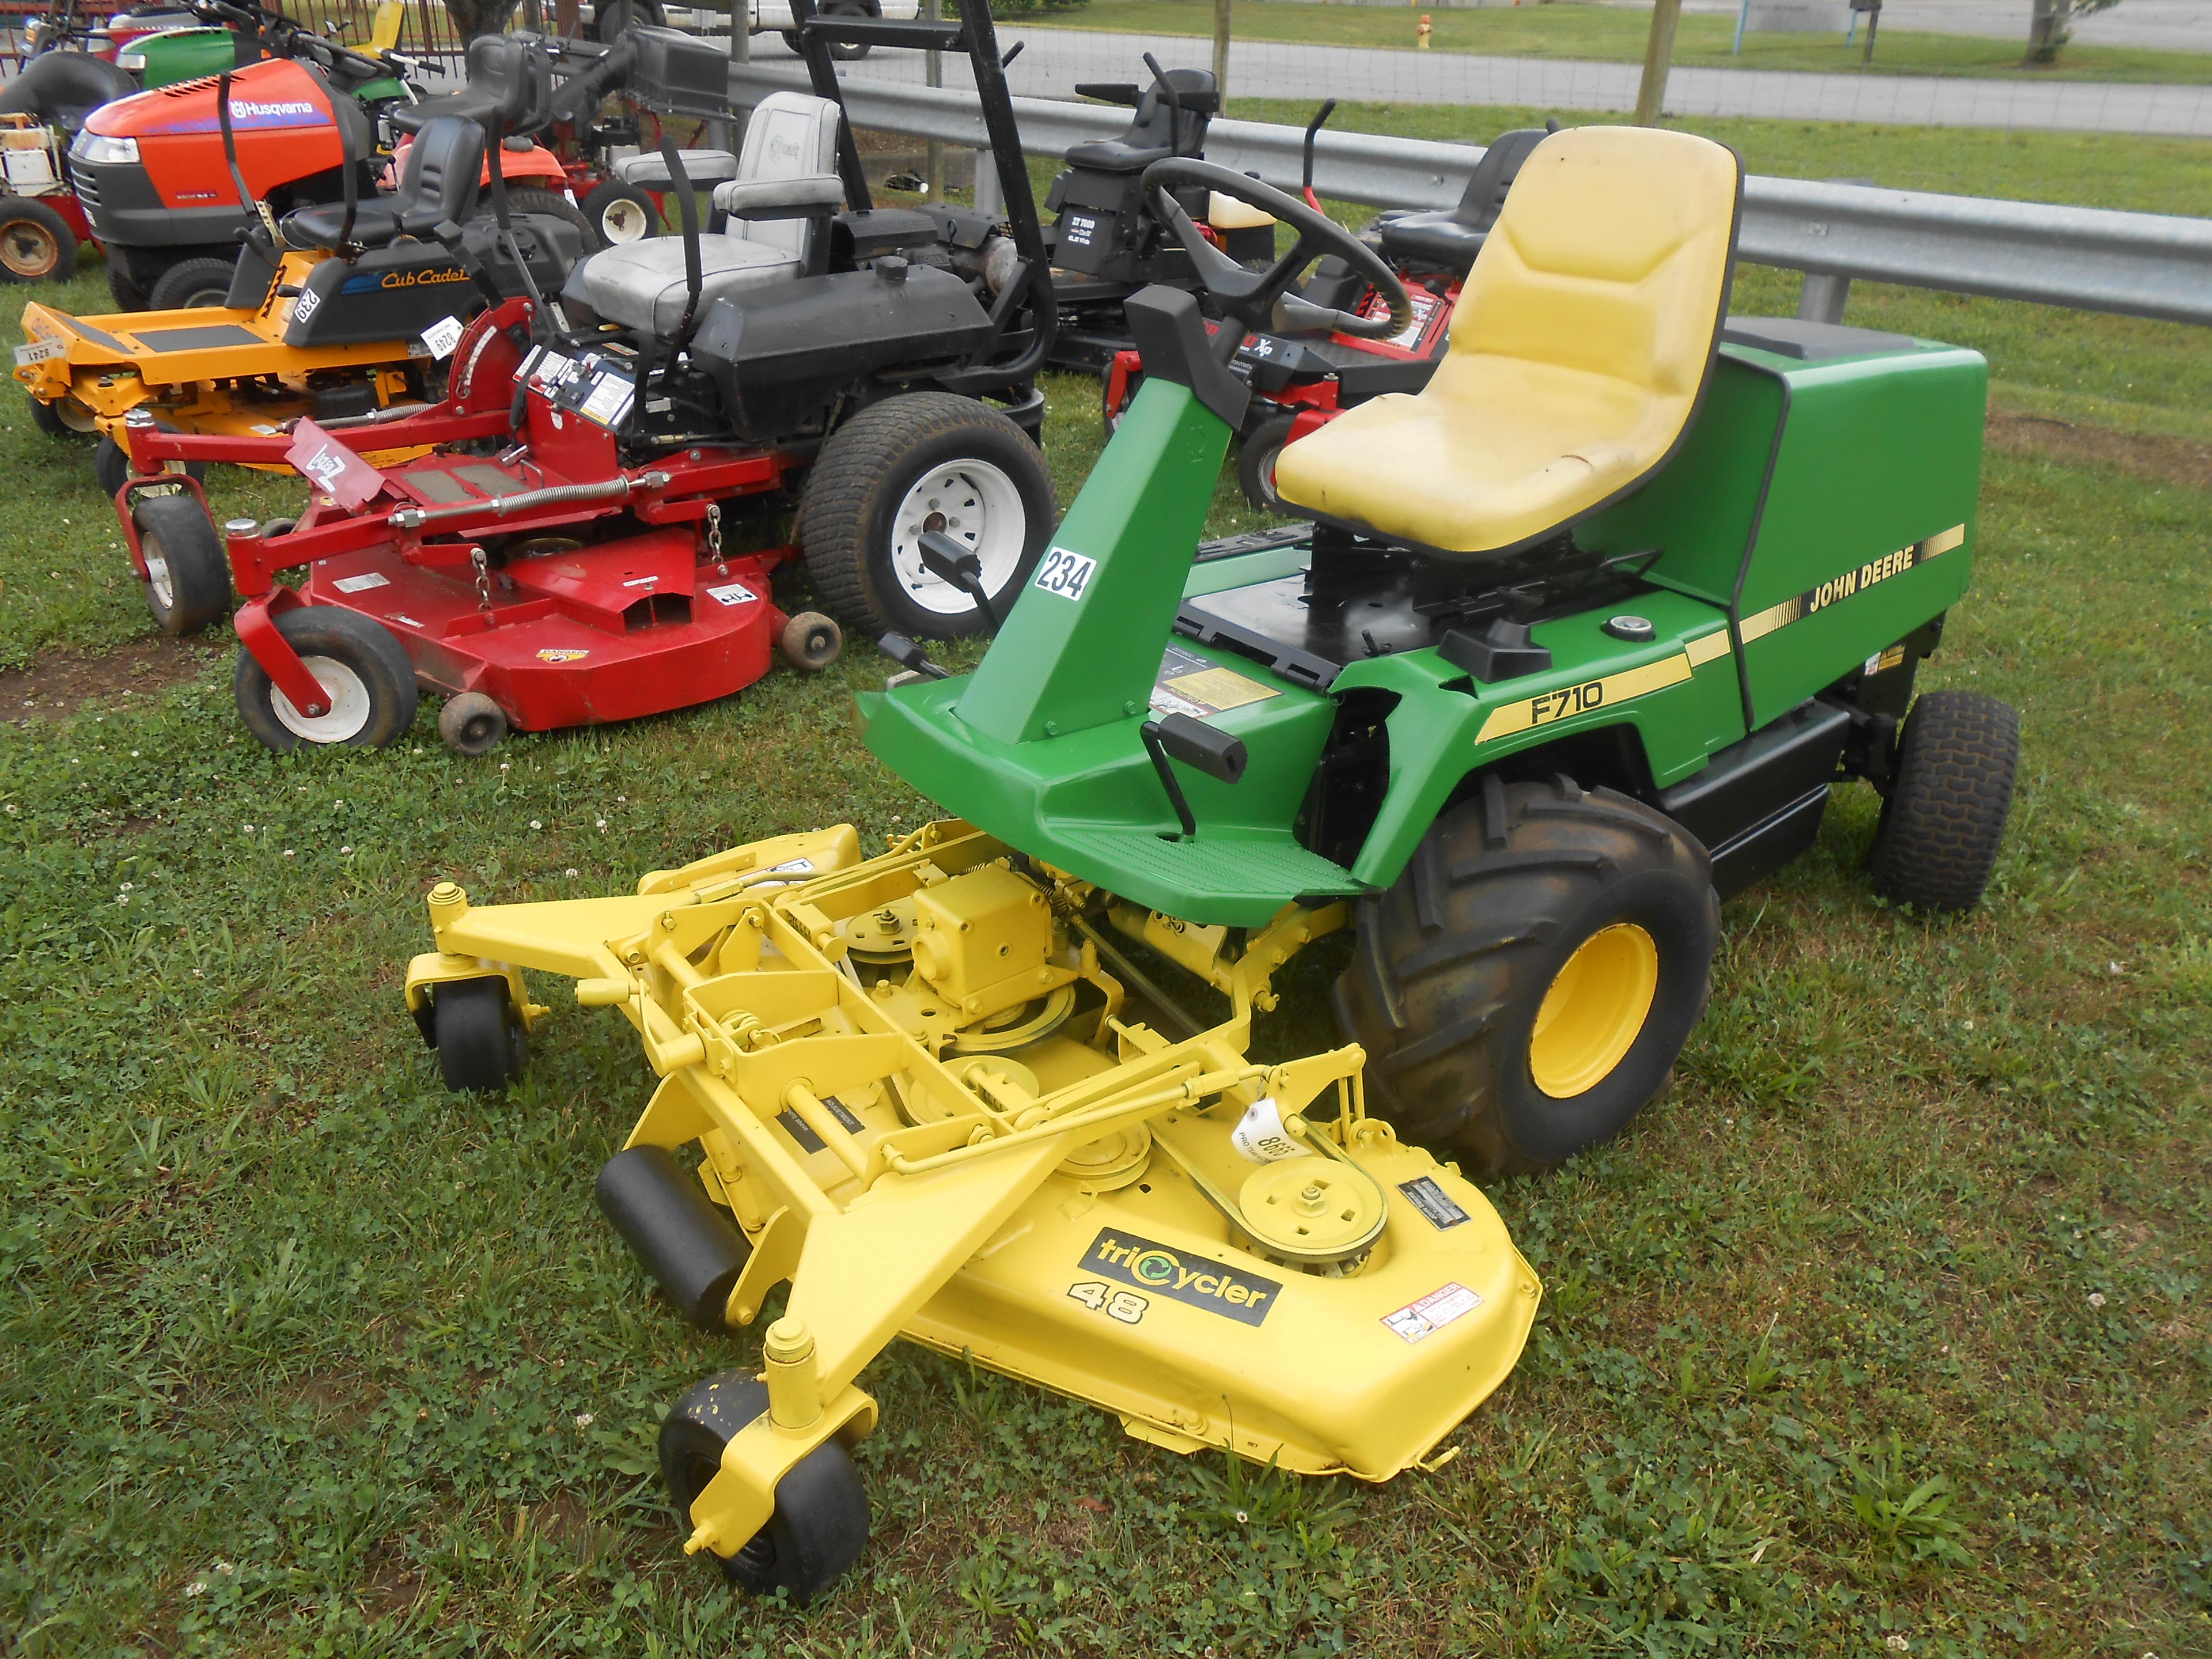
[{"x": 2140, "y": 264}]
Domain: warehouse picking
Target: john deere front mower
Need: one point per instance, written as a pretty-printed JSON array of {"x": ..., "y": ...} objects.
[{"x": 1578, "y": 642}]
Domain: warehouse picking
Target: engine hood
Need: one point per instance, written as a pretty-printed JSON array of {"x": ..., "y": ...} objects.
[{"x": 273, "y": 94}]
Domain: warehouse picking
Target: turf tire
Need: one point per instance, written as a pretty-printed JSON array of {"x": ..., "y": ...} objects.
[
  {"x": 192, "y": 285},
  {"x": 552, "y": 204},
  {"x": 1255, "y": 462},
  {"x": 821, "y": 1521},
  {"x": 188, "y": 586},
  {"x": 364, "y": 649},
  {"x": 611, "y": 195},
  {"x": 49, "y": 419},
  {"x": 1451, "y": 966},
  {"x": 1936, "y": 846},
  {"x": 481, "y": 1043},
  {"x": 851, "y": 496},
  {"x": 36, "y": 243}
]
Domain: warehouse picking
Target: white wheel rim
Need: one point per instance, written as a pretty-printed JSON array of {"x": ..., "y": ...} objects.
[
  {"x": 349, "y": 698},
  {"x": 622, "y": 222},
  {"x": 977, "y": 505},
  {"x": 158, "y": 579}
]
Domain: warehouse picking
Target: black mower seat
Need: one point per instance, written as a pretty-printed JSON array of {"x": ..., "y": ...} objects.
[
  {"x": 1152, "y": 134},
  {"x": 1449, "y": 239},
  {"x": 440, "y": 184}
]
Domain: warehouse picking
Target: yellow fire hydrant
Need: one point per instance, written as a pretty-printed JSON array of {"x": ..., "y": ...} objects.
[{"x": 1423, "y": 31}]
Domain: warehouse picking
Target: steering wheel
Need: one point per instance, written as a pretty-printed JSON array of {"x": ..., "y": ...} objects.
[{"x": 1261, "y": 300}]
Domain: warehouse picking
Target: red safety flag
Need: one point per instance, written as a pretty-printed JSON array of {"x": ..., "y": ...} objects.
[{"x": 331, "y": 467}]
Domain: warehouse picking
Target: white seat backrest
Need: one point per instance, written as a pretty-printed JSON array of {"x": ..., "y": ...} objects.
[{"x": 791, "y": 135}]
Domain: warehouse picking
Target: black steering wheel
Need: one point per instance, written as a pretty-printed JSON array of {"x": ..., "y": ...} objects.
[{"x": 1261, "y": 300}]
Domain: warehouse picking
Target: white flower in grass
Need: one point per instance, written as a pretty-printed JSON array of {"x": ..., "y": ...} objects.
[
  {"x": 585, "y": 1420},
  {"x": 1897, "y": 1644},
  {"x": 572, "y": 871},
  {"x": 2096, "y": 1299},
  {"x": 536, "y": 824}
]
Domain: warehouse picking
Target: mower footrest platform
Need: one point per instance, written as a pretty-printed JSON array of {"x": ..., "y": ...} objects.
[{"x": 1217, "y": 867}]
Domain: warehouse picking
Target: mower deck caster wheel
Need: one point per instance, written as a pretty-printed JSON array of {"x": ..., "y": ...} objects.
[
  {"x": 481, "y": 1046},
  {"x": 811, "y": 641},
  {"x": 472, "y": 724},
  {"x": 187, "y": 571},
  {"x": 65, "y": 421},
  {"x": 364, "y": 673},
  {"x": 821, "y": 1521},
  {"x": 1957, "y": 758},
  {"x": 111, "y": 464}
]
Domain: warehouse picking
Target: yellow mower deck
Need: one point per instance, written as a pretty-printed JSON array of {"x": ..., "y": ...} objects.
[
  {"x": 209, "y": 370},
  {"x": 936, "y": 1111}
]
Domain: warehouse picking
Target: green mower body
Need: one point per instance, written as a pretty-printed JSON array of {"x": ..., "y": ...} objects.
[{"x": 1790, "y": 567}]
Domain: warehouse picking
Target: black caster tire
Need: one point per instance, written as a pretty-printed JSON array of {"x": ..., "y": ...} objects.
[
  {"x": 821, "y": 1522},
  {"x": 1958, "y": 759},
  {"x": 65, "y": 422},
  {"x": 36, "y": 243},
  {"x": 362, "y": 668},
  {"x": 187, "y": 568},
  {"x": 478, "y": 1033},
  {"x": 811, "y": 641},
  {"x": 472, "y": 724},
  {"x": 1523, "y": 989},
  {"x": 111, "y": 464},
  {"x": 618, "y": 214},
  {"x": 551, "y": 204},
  {"x": 1255, "y": 462},
  {"x": 917, "y": 462},
  {"x": 193, "y": 285}
]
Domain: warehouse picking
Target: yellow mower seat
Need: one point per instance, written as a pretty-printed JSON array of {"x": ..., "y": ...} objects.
[{"x": 1579, "y": 350}]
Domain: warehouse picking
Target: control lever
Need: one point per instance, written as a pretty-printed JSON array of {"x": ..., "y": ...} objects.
[
  {"x": 908, "y": 654},
  {"x": 1013, "y": 52},
  {"x": 1202, "y": 747},
  {"x": 949, "y": 561}
]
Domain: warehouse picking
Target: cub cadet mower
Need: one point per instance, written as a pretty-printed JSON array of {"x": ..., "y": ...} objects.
[
  {"x": 1302, "y": 377},
  {"x": 327, "y": 313},
  {"x": 560, "y": 558},
  {"x": 1590, "y": 627}
]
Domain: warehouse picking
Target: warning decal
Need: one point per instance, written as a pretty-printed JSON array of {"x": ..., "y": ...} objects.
[{"x": 1189, "y": 684}]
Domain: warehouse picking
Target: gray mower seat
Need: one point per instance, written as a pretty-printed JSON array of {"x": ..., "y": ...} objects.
[{"x": 791, "y": 145}]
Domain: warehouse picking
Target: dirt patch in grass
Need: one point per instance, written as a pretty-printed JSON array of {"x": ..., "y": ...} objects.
[
  {"x": 56, "y": 685},
  {"x": 2163, "y": 460}
]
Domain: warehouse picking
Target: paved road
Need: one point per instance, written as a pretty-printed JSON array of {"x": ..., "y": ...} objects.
[
  {"x": 1055, "y": 59},
  {"x": 2161, "y": 25}
]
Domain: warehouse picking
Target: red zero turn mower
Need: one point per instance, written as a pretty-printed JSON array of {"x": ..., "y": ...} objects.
[
  {"x": 1303, "y": 377},
  {"x": 558, "y": 555}
]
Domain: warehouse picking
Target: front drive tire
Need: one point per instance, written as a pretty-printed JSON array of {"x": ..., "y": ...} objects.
[
  {"x": 1957, "y": 759},
  {"x": 363, "y": 669},
  {"x": 821, "y": 1521},
  {"x": 922, "y": 461},
  {"x": 1523, "y": 989},
  {"x": 187, "y": 568}
]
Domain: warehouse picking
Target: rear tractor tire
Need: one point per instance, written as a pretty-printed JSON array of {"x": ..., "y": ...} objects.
[
  {"x": 479, "y": 1035},
  {"x": 820, "y": 1525},
  {"x": 36, "y": 243},
  {"x": 914, "y": 463},
  {"x": 364, "y": 673},
  {"x": 187, "y": 568},
  {"x": 1957, "y": 759},
  {"x": 193, "y": 285},
  {"x": 1523, "y": 989}
]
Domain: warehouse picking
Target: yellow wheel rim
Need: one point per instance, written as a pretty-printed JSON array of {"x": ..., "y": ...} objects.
[{"x": 1594, "y": 1009}]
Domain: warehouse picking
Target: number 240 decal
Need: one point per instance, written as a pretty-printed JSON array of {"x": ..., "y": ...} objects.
[
  {"x": 1124, "y": 1305},
  {"x": 1064, "y": 573}
]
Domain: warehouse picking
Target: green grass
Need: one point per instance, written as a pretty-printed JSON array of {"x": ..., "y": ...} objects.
[
  {"x": 300, "y": 1354},
  {"x": 1615, "y": 34}
]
